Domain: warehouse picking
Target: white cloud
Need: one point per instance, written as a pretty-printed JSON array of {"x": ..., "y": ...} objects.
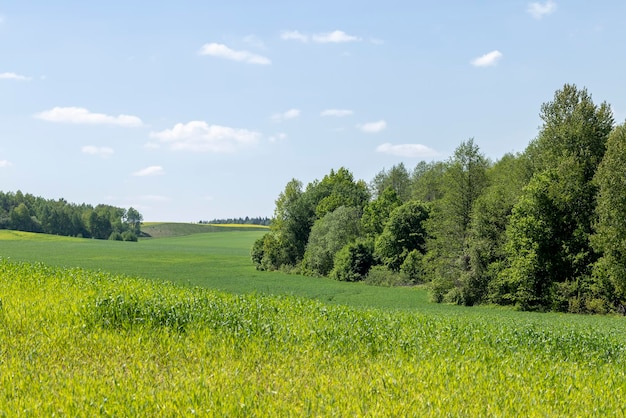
[
  {"x": 337, "y": 112},
  {"x": 5, "y": 163},
  {"x": 407, "y": 150},
  {"x": 281, "y": 136},
  {"x": 103, "y": 152},
  {"x": 290, "y": 114},
  {"x": 14, "y": 76},
  {"x": 201, "y": 137},
  {"x": 293, "y": 35},
  {"x": 81, "y": 115},
  {"x": 373, "y": 127},
  {"x": 337, "y": 36},
  {"x": 539, "y": 10},
  {"x": 153, "y": 170},
  {"x": 222, "y": 51},
  {"x": 487, "y": 60}
]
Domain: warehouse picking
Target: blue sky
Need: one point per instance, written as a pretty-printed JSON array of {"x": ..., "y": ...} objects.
[{"x": 203, "y": 109}]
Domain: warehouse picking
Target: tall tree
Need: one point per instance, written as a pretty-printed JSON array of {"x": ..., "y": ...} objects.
[
  {"x": 490, "y": 217},
  {"x": 464, "y": 180},
  {"x": 556, "y": 214},
  {"x": 404, "y": 232},
  {"x": 396, "y": 178},
  {"x": 328, "y": 235},
  {"x": 377, "y": 212},
  {"x": 610, "y": 229}
]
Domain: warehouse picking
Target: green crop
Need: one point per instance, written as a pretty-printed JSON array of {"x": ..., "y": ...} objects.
[{"x": 82, "y": 343}]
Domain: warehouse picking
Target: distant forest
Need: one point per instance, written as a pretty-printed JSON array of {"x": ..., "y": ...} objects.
[
  {"x": 25, "y": 212},
  {"x": 240, "y": 221},
  {"x": 544, "y": 229}
]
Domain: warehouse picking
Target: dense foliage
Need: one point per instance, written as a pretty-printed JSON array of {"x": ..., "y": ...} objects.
[
  {"x": 25, "y": 212},
  {"x": 541, "y": 230}
]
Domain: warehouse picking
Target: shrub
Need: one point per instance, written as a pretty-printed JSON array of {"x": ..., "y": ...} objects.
[{"x": 353, "y": 261}]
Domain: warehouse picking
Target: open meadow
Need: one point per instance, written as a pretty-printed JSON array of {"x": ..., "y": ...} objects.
[{"x": 185, "y": 326}]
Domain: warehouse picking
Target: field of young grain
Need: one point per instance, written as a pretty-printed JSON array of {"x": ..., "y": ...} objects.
[{"x": 80, "y": 343}]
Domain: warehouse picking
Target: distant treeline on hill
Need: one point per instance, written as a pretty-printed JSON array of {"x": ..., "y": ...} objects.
[
  {"x": 240, "y": 221},
  {"x": 25, "y": 212}
]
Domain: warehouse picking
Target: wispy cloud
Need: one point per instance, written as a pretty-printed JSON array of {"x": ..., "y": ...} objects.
[
  {"x": 488, "y": 60},
  {"x": 373, "y": 127},
  {"x": 337, "y": 36},
  {"x": 5, "y": 163},
  {"x": 199, "y": 136},
  {"x": 289, "y": 114},
  {"x": 337, "y": 112},
  {"x": 254, "y": 41},
  {"x": 103, "y": 152},
  {"x": 281, "y": 136},
  {"x": 293, "y": 35},
  {"x": 14, "y": 76},
  {"x": 222, "y": 51},
  {"x": 153, "y": 170},
  {"x": 539, "y": 10},
  {"x": 407, "y": 150},
  {"x": 79, "y": 115}
]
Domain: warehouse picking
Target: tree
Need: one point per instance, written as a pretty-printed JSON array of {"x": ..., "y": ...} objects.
[
  {"x": 609, "y": 238},
  {"x": 404, "y": 232},
  {"x": 133, "y": 219},
  {"x": 549, "y": 254},
  {"x": 293, "y": 217},
  {"x": 490, "y": 217},
  {"x": 396, "y": 178},
  {"x": 448, "y": 257},
  {"x": 353, "y": 261},
  {"x": 328, "y": 235},
  {"x": 427, "y": 181},
  {"x": 377, "y": 212},
  {"x": 336, "y": 189}
]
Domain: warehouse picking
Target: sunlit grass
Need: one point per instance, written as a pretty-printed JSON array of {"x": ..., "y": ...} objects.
[{"x": 79, "y": 343}]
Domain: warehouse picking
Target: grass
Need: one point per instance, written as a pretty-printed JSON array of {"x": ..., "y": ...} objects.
[
  {"x": 85, "y": 343},
  {"x": 174, "y": 229},
  {"x": 217, "y": 260}
]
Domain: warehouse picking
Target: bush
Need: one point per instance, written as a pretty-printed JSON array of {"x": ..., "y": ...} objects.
[
  {"x": 382, "y": 276},
  {"x": 353, "y": 261},
  {"x": 413, "y": 267},
  {"x": 115, "y": 236}
]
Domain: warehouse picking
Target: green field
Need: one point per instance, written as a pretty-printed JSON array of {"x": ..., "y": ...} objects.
[
  {"x": 218, "y": 260},
  {"x": 98, "y": 342}
]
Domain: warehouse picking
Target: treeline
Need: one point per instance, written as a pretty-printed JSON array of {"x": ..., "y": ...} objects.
[
  {"x": 544, "y": 229},
  {"x": 25, "y": 212},
  {"x": 240, "y": 221}
]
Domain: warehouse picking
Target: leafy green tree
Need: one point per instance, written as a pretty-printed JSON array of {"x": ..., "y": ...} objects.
[
  {"x": 464, "y": 181},
  {"x": 490, "y": 217},
  {"x": 549, "y": 254},
  {"x": 133, "y": 219},
  {"x": 328, "y": 235},
  {"x": 404, "y": 232},
  {"x": 397, "y": 178},
  {"x": 609, "y": 238},
  {"x": 22, "y": 220},
  {"x": 338, "y": 188},
  {"x": 353, "y": 261},
  {"x": 427, "y": 181},
  {"x": 377, "y": 212},
  {"x": 293, "y": 218}
]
